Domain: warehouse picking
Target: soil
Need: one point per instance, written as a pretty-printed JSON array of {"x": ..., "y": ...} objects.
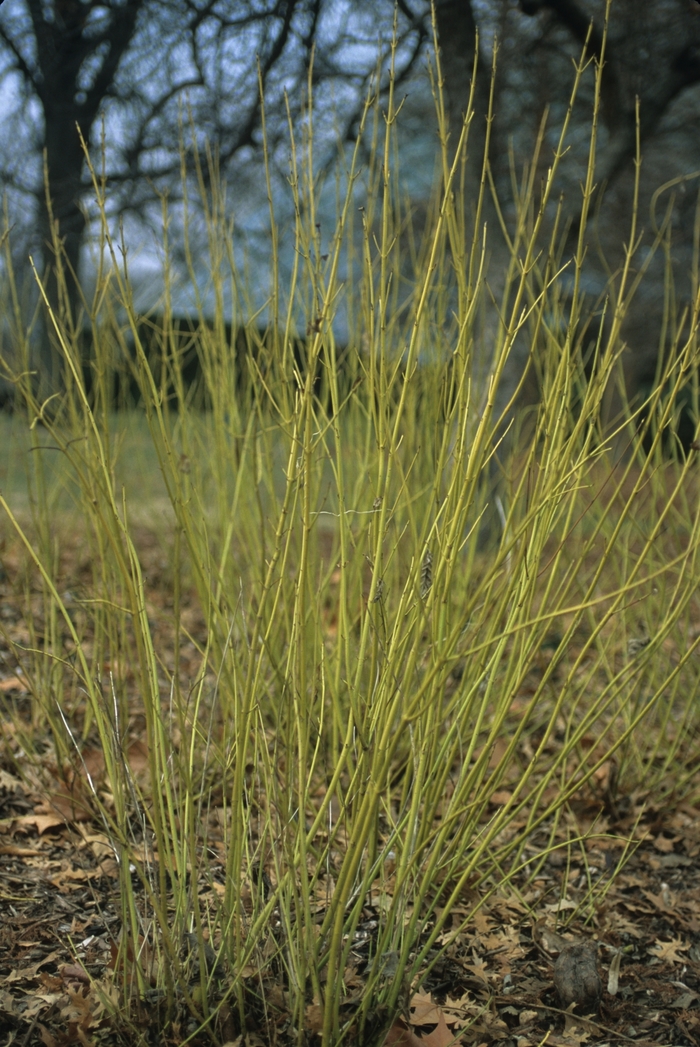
[{"x": 594, "y": 944}]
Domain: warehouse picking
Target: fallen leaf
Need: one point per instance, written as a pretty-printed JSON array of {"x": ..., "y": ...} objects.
[
  {"x": 73, "y": 879},
  {"x": 399, "y": 1035},
  {"x": 137, "y": 755},
  {"x": 9, "y": 782},
  {"x": 72, "y": 802},
  {"x": 457, "y": 1012},
  {"x": 482, "y": 921},
  {"x": 41, "y": 822},
  {"x": 561, "y": 905},
  {"x": 669, "y": 952},
  {"x": 109, "y": 867},
  {"x": 69, "y": 972},
  {"x": 50, "y": 982},
  {"x": 13, "y": 683},
  {"x": 314, "y": 1017},
  {"x": 46, "y": 1037},
  {"x": 423, "y": 1010},
  {"x": 440, "y": 1036},
  {"x": 7, "y": 1003},
  {"x": 26, "y": 973},
  {"x": 550, "y": 940}
]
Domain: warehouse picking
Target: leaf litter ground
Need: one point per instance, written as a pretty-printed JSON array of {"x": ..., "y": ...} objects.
[{"x": 633, "y": 890}]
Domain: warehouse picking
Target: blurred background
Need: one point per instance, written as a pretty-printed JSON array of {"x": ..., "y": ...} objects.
[{"x": 167, "y": 95}]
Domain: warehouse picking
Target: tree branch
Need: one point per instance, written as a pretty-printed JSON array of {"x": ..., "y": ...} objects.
[
  {"x": 119, "y": 34},
  {"x": 245, "y": 134},
  {"x": 584, "y": 29},
  {"x": 22, "y": 66},
  {"x": 619, "y": 110}
]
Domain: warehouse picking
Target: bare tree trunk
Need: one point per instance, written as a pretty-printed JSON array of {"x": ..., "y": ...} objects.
[
  {"x": 458, "y": 40},
  {"x": 63, "y": 46},
  {"x": 62, "y": 225},
  {"x": 671, "y": 29}
]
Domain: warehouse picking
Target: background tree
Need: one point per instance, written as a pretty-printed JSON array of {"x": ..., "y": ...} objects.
[
  {"x": 651, "y": 58},
  {"x": 145, "y": 66}
]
